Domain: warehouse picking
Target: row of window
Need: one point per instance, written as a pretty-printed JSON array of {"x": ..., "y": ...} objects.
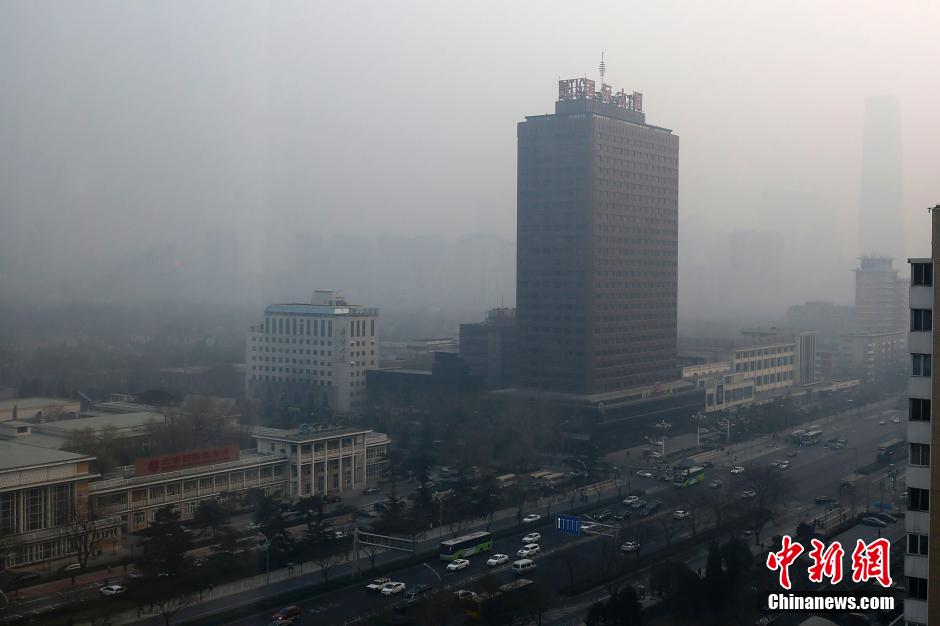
[{"x": 750, "y": 366}]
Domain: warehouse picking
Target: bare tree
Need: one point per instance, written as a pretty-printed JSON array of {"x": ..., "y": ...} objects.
[
  {"x": 326, "y": 560},
  {"x": 80, "y": 535},
  {"x": 171, "y": 604},
  {"x": 667, "y": 528}
]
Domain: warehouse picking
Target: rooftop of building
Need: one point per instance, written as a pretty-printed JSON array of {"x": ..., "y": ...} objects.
[
  {"x": 125, "y": 476},
  {"x": 97, "y": 421},
  {"x": 305, "y": 434},
  {"x": 33, "y": 403},
  {"x": 17, "y": 455},
  {"x": 608, "y": 398},
  {"x": 345, "y": 310},
  {"x": 400, "y": 371}
]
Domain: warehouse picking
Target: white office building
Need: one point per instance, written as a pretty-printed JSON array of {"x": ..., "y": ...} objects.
[{"x": 313, "y": 356}]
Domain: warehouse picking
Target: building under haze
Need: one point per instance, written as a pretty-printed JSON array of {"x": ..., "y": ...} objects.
[
  {"x": 880, "y": 296},
  {"x": 313, "y": 356},
  {"x": 922, "y": 605},
  {"x": 597, "y": 245},
  {"x": 489, "y": 347}
]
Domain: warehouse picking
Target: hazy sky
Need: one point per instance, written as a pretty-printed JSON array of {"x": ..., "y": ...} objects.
[{"x": 125, "y": 123}]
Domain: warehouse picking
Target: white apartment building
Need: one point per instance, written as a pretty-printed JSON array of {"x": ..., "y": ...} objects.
[
  {"x": 922, "y": 606},
  {"x": 313, "y": 355},
  {"x": 775, "y": 359}
]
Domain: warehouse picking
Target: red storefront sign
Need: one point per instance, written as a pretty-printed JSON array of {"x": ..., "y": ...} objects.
[{"x": 182, "y": 460}]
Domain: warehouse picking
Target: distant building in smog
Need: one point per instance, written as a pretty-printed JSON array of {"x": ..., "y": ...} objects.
[
  {"x": 875, "y": 346},
  {"x": 313, "y": 356},
  {"x": 597, "y": 245},
  {"x": 489, "y": 348},
  {"x": 880, "y": 296}
]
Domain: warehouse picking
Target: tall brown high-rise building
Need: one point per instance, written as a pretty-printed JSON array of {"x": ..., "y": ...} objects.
[{"x": 597, "y": 251}]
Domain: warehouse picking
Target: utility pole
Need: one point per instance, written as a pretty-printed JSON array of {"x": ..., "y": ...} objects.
[{"x": 356, "y": 547}]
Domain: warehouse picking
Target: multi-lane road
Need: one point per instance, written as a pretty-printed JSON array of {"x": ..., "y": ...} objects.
[{"x": 814, "y": 471}]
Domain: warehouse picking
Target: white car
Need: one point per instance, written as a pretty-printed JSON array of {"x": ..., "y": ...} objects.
[
  {"x": 457, "y": 564},
  {"x": 896, "y": 420},
  {"x": 531, "y": 517},
  {"x": 532, "y": 538},
  {"x": 529, "y": 550},
  {"x": 630, "y": 500},
  {"x": 681, "y": 514},
  {"x": 113, "y": 590},
  {"x": 497, "y": 559},
  {"x": 747, "y": 494},
  {"x": 378, "y": 583},
  {"x": 715, "y": 484},
  {"x": 882, "y": 422},
  {"x": 390, "y": 589},
  {"x": 630, "y": 546},
  {"x": 644, "y": 474},
  {"x": 465, "y": 594},
  {"x": 737, "y": 469},
  {"x": 587, "y": 526}
]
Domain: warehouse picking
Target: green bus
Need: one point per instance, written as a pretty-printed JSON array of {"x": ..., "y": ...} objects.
[
  {"x": 467, "y": 545},
  {"x": 687, "y": 477}
]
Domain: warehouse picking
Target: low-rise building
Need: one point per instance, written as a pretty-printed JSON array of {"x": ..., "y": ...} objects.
[
  {"x": 292, "y": 463},
  {"x": 43, "y": 495}
]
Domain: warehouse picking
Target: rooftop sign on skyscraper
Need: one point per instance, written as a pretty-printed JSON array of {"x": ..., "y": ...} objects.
[{"x": 583, "y": 89}]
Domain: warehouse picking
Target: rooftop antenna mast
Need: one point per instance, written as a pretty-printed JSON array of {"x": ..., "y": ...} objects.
[{"x": 602, "y": 68}]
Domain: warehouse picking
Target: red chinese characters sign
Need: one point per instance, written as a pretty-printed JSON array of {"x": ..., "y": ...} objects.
[
  {"x": 870, "y": 561},
  {"x": 182, "y": 460}
]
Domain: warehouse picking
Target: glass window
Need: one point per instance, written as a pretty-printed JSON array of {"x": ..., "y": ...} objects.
[
  {"x": 920, "y": 365},
  {"x": 917, "y": 588},
  {"x": 918, "y": 499},
  {"x": 920, "y": 454},
  {"x": 922, "y": 274},
  {"x": 921, "y": 319},
  {"x": 917, "y": 544},
  {"x": 919, "y": 410}
]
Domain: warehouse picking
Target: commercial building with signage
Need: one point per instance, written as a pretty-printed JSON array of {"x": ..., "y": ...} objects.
[
  {"x": 289, "y": 463},
  {"x": 135, "y": 496}
]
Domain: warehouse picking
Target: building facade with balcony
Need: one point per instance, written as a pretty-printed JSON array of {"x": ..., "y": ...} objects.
[
  {"x": 325, "y": 460},
  {"x": 922, "y": 605}
]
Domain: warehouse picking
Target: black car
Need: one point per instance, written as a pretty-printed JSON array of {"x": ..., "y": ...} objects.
[
  {"x": 825, "y": 500},
  {"x": 417, "y": 591},
  {"x": 622, "y": 516},
  {"x": 600, "y": 516},
  {"x": 332, "y": 499},
  {"x": 651, "y": 508}
]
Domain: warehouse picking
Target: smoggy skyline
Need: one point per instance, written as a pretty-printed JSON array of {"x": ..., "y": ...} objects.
[{"x": 149, "y": 134}]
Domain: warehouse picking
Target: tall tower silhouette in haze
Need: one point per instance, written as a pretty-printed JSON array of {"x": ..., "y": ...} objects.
[{"x": 880, "y": 215}]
